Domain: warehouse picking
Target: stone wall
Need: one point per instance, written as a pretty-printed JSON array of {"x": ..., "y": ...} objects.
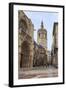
[{"x": 25, "y": 41}]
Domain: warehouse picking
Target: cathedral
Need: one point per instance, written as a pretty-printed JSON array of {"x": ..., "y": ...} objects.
[
  {"x": 40, "y": 48},
  {"x": 30, "y": 53}
]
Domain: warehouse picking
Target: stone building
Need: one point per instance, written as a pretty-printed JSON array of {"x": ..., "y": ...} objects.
[
  {"x": 25, "y": 41},
  {"x": 54, "y": 52},
  {"x": 40, "y": 56},
  {"x": 30, "y": 54},
  {"x": 40, "y": 48},
  {"x": 42, "y": 36}
]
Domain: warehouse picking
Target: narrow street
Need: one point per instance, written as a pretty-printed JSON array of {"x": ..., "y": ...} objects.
[{"x": 39, "y": 73}]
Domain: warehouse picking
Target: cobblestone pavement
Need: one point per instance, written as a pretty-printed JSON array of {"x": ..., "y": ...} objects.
[{"x": 38, "y": 73}]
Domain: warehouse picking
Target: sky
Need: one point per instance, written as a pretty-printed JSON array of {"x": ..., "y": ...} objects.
[{"x": 48, "y": 19}]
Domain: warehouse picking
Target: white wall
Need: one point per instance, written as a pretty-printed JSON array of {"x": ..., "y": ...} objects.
[{"x": 4, "y": 44}]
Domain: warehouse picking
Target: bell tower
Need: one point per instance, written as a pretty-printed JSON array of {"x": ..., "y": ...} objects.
[{"x": 42, "y": 36}]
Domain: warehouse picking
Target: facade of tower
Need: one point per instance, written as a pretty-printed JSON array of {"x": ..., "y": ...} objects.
[{"x": 42, "y": 36}]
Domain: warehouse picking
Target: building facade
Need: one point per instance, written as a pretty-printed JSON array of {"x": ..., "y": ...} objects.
[
  {"x": 54, "y": 52},
  {"x": 42, "y": 36},
  {"x": 30, "y": 53},
  {"x": 25, "y": 41},
  {"x": 40, "y": 56}
]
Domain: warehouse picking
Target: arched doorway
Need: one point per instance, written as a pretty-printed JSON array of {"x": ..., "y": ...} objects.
[{"x": 25, "y": 55}]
